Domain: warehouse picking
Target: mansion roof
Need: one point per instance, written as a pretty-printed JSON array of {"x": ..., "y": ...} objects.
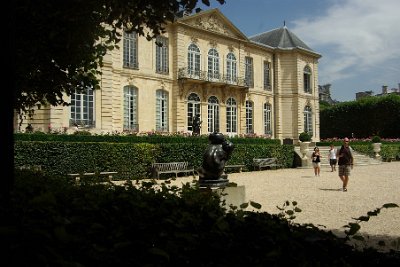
[{"x": 280, "y": 38}]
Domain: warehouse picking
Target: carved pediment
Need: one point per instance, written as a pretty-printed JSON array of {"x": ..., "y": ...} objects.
[{"x": 214, "y": 21}]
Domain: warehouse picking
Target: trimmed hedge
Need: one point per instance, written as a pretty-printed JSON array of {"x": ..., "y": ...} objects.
[{"x": 132, "y": 159}]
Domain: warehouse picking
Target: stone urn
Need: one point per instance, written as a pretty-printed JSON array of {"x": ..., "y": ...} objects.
[
  {"x": 377, "y": 148},
  {"x": 304, "y": 149}
]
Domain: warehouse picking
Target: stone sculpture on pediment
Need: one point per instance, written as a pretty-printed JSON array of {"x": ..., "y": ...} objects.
[{"x": 211, "y": 23}]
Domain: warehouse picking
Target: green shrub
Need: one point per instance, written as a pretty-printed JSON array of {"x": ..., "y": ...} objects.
[
  {"x": 376, "y": 139},
  {"x": 49, "y": 222},
  {"x": 305, "y": 137}
]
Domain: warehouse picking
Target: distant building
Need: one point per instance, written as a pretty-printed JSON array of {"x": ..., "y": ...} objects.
[
  {"x": 385, "y": 91},
  {"x": 324, "y": 92}
]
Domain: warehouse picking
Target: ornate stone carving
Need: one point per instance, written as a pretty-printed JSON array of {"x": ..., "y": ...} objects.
[{"x": 212, "y": 23}]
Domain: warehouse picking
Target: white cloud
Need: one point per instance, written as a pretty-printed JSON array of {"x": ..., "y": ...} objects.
[{"x": 354, "y": 35}]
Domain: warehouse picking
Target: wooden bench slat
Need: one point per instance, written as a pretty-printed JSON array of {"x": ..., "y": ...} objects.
[
  {"x": 172, "y": 167},
  {"x": 266, "y": 162}
]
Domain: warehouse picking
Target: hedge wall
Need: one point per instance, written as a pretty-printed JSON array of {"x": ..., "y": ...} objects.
[{"x": 132, "y": 159}]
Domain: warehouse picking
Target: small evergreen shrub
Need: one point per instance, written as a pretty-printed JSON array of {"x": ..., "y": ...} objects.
[
  {"x": 305, "y": 137},
  {"x": 376, "y": 139}
]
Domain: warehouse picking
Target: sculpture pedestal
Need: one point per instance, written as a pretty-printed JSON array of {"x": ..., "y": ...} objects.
[
  {"x": 232, "y": 195},
  {"x": 214, "y": 183}
]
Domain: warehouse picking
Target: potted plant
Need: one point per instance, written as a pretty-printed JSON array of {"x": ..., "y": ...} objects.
[
  {"x": 304, "y": 139},
  {"x": 376, "y": 145}
]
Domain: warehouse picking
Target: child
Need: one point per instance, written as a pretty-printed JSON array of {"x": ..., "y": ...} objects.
[
  {"x": 332, "y": 157},
  {"x": 316, "y": 161}
]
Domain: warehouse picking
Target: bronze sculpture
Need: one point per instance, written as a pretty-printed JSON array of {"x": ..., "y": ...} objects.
[{"x": 214, "y": 158}]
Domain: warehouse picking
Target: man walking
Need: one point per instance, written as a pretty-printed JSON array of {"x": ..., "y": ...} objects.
[{"x": 345, "y": 162}]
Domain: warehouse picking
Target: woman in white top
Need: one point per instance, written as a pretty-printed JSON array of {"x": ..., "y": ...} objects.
[{"x": 332, "y": 157}]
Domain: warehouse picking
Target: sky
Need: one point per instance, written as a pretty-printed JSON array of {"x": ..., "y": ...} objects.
[{"x": 359, "y": 40}]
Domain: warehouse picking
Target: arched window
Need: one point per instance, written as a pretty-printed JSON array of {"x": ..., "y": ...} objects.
[
  {"x": 308, "y": 125},
  {"x": 213, "y": 64},
  {"x": 193, "y": 108},
  {"x": 267, "y": 119},
  {"x": 231, "y": 68},
  {"x": 231, "y": 115},
  {"x": 249, "y": 117},
  {"x": 130, "y": 108},
  {"x": 194, "y": 61},
  {"x": 161, "y": 110},
  {"x": 307, "y": 79},
  {"x": 82, "y": 108},
  {"x": 130, "y": 51},
  {"x": 213, "y": 114}
]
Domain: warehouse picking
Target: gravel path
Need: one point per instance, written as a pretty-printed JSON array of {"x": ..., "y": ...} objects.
[{"x": 323, "y": 203}]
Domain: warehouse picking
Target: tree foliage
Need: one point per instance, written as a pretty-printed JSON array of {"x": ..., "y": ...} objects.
[
  {"x": 60, "y": 44},
  {"x": 363, "y": 118}
]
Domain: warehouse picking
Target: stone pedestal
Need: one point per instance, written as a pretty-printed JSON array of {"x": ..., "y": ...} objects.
[
  {"x": 377, "y": 148},
  {"x": 233, "y": 195}
]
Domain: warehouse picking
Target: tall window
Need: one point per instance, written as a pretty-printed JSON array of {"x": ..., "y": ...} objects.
[
  {"x": 231, "y": 115},
  {"x": 307, "y": 79},
  {"x": 193, "y": 108},
  {"x": 213, "y": 114},
  {"x": 249, "y": 117},
  {"x": 213, "y": 64},
  {"x": 249, "y": 72},
  {"x": 194, "y": 60},
  {"x": 130, "y": 59},
  {"x": 308, "y": 120},
  {"x": 267, "y": 76},
  {"x": 231, "y": 68},
  {"x": 267, "y": 119},
  {"x": 162, "y": 54},
  {"x": 130, "y": 108},
  {"x": 82, "y": 108},
  {"x": 161, "y": 111}
]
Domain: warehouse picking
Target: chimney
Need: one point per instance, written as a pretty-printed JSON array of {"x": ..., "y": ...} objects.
[{"x": 384, "y": 89}]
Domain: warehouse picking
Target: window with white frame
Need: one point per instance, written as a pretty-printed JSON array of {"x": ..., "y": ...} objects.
[
  {"x": 161, "y": 111},
  {"x": 231, "y": 115},
  {"x": 213, "y": 64},
  {"x": 307, "y": 79},
  {"x": 249, "y": 72},
  {"x": 213, "y": 114},
  {"x": 82, "y": 108},
  {"x": 249, "y": 117},
  {"x": 308, "y": 125},
  {"x": 130, "y": 52},
  {"x": 231, "y": 68},
  {"x": 194, "y": 60},
  {"x": 162, "y": 55},
  {"x": 267, "y": 75},
  {"x": 193, "y": 108},
  {"x": 130, "y": 108},
  {"x": 267, "y": 119}
]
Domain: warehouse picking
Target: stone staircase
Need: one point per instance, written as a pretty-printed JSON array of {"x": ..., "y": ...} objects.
[{"x": 359, "y": 159}]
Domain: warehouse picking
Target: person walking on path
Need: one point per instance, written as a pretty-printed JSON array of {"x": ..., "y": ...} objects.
[
  {"x": 345, "y": 162},
  {"x": 316, "y": 161},
  {"x": 332, "y": 157}
]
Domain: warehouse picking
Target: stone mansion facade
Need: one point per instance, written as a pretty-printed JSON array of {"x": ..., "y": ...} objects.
[{"x": 266, "y": 84}]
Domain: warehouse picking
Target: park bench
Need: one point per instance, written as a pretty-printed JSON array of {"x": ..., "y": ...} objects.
[
  {"x": 80, "y": 176},
  {"x": 236, "y": 166},
  {"x": 266, "y": 163},
  {"x": 172, "y": 167}
]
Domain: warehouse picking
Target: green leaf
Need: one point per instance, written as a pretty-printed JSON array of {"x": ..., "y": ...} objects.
[
  {"x": 390, "y": 205},
  {"x": 244, "y": 205},
  {"x": 255, "y": 205}
]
